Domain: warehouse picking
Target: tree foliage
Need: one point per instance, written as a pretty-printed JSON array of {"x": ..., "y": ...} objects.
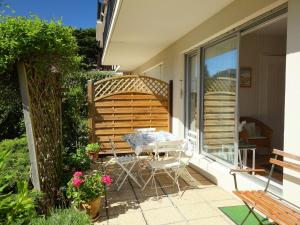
[
  {"x": 11, "y": 115},
  {"x": 88, "y": 47},
  {"x": 35, "y": 40}
]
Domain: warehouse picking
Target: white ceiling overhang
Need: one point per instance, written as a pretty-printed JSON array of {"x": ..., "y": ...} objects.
[{"x": 143, "y": 28}]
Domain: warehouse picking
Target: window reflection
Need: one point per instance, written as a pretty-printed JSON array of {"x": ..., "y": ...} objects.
[{"x": 220, "y": 63}]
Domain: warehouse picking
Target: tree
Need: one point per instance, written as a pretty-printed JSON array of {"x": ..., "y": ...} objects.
[{"x": 88, "y": 47}]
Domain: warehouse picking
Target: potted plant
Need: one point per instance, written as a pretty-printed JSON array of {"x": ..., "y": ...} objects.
[
  {"x": 93, "y": 150},
  {"x": 85, "y": 191}
]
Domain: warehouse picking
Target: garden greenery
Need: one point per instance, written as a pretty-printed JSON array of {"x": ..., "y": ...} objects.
[
  {"x": 18, "y": 206},
  {"x": 63, "y": 217},
  {"x": 46, "y": 51},
  {"x": 36, "y": 40},
  {"x": 17, "y": 166}
]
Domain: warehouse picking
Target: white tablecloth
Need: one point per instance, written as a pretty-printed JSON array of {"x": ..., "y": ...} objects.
[{"x": 145, "y": 142}]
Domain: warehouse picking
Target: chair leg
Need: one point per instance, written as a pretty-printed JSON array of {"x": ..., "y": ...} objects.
[
  {"x": 251, "y": 211},
  {"x": 151, "y": 176},
  {"x": 128, "y": 173},
  {"x": 117, "y": 181}
]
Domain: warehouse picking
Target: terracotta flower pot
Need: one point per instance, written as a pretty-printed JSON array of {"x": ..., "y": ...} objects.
[
  {"x": 92, "y": 208},
  {"x": 93, "y": 156}
]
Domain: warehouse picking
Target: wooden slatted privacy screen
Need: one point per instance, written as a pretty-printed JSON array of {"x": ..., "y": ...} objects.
[
  {"x": 219, "y": 113},
  {"x": 120, "y": 104}
]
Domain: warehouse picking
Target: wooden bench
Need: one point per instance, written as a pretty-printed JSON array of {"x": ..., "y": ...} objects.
[{"x": 275, "y": 208}]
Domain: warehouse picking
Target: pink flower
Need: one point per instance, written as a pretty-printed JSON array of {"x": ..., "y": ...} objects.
[
  {"x": 77, "y": 182},
  {"x": 78, "y": 174},
  {"x": 106, "y": 180}
]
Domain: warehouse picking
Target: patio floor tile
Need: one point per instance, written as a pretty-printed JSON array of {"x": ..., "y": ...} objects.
[
  {"x": 163, "y": 216},
  {"x": 135, "y": 218},
  {"x": 198, "y": 210},
  {"x": 123, "y": 207},
  {"x": 211, "y": 221},
  {"x": 153, "y": 203}
]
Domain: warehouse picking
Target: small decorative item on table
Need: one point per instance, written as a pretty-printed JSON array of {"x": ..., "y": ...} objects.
[
  {"x": 93, "y": 150},
  {"x": 85, "y": 192}
]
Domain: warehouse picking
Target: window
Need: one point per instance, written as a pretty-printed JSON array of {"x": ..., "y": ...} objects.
[{"x": 220, "y": 63}]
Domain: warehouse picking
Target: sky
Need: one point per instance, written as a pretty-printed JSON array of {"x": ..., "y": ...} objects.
[
  {"x": 76, "y": 13},
  {"x": 225, "y": 61}
]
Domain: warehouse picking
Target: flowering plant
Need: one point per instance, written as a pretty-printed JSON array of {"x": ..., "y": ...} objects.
[{"x": 85, "y": 188}]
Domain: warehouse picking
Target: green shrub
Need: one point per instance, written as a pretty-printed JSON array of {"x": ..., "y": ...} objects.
[
  {"x": 74, "y": 106},
  {"x": 19, "y": 207},
  {"x": 80, "y": 160},
  {"x": 63, "y": 217},
  {"x": 17, "y": 166},
  {"x": 11, "y": 115}
]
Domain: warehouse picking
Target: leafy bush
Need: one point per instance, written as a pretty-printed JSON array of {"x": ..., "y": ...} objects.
[
  {"x": 17, "y": 166},
  {"x": 63, "y": 217},
  {"x": 18, "y": 208},
  {"x": 11, "y": 115},
  {"x": 75, "y": 110},
  {"x": 79, "y": 160}
]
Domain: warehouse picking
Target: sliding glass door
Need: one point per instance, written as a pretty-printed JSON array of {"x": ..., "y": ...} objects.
[{"x": 219, "y": 71}]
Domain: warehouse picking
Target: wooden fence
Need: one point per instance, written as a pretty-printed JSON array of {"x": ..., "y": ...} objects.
[{"x": 120, "y": 104}]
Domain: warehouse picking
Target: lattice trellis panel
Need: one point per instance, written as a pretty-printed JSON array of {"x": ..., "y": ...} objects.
[
  {"x": 120, "y": 104},
  {"x": 131, "y": 83}
]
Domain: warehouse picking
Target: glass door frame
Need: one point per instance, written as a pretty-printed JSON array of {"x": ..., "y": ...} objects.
[{"x": 187, "y": 89}]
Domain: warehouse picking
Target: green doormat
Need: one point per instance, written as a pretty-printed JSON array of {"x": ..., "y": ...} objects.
[{"x": 238, "y": 213}]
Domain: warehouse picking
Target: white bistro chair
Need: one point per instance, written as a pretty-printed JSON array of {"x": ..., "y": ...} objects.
[
  {"x": 189, "y": 149},
  {"x": 166, "y": 165},
  {"x": 127, "y": 163}
]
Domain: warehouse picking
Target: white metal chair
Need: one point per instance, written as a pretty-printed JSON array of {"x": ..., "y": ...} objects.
[
  {"x": 144, "y": 130},
  {"x": 190, "y": 147},
  {"x": 127, "y": 163},
  {"x": 166, "y": 165}
]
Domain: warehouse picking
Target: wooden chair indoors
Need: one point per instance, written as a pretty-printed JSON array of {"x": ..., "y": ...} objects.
[{"x": 257, "y": 133}]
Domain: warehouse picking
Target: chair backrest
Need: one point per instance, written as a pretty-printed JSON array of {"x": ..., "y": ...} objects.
[
  {"x": 169, "y": 146},
  {"x": 113, "y": 148},
  {"x": 286, "y": 164},
  {"x": 144, "y": 130},
  {"x": 191, "y": 143}
]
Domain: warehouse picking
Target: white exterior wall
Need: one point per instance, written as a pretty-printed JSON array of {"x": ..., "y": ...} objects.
[
  {"x": 237, "y": 13},
  {"x": 291, "y": 182}
]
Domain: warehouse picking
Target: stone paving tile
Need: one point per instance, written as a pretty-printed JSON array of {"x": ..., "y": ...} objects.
[
  {"x": 211, "y": 221},
  {"x": 135, "y": 218},
  {"x": 197, "y": 210},
  {"x": 154, "y": 203},
  {"x": 127, "y": 207},
  {"x": 163, "y": 216}
]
